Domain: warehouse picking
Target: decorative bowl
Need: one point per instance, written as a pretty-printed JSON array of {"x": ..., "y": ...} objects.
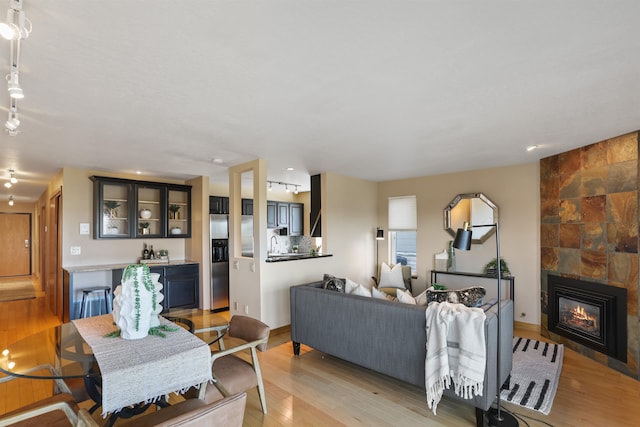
[
  {"x": 145, "y": 214},
  {"x": 176, "y": 230}
]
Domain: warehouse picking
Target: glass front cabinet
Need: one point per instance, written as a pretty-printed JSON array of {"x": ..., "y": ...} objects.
[{"x": 128, "y": 209}]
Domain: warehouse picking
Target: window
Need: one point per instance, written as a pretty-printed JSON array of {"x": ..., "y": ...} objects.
[{"x": 402, "y": 231}]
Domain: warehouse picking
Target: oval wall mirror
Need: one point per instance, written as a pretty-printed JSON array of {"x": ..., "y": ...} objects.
[{"x": 474, "y": 208}]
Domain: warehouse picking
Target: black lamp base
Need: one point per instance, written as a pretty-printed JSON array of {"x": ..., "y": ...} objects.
[{"x": 506, "y": 419}]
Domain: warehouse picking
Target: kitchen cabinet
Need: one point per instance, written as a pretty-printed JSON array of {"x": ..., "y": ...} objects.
[
  {"x": 112, "y": 209},
  {"x": 247, "y": 206},
  {"x": 282, "y": 211},
  {"x": 296, "y": 219},
  {"x": 128, "y": 209},
  {"x": 178, "y": 208},
  {"x": 272, "y": 217},
  {"x": 218, "y": 205},
  {"x": 180, "y": 284},
  {"x": 149, "y": 211}
]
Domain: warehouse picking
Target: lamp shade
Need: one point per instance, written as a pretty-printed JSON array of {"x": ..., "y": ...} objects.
[
  {"x": 380, "y": 234},
  {"x": 463, "y": 238}
]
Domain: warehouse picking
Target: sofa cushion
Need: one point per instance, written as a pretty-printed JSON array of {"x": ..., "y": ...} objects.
[
  {"x": 332, "y": 283},
  {"x": 377, "y": 293},
  {"x": 405, "y": 297},
  {"x": 391, "y": 277},
  {"x": 471, "y": 297},
  {"x": 354, "y": 288}
]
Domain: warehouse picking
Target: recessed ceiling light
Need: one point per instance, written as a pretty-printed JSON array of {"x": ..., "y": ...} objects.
[
  {"x": 289, "y": 169},
  {"x": 532, "y": 147},
  {"x": 139, "y": 172},
  {"x": 217, "y": 160}
]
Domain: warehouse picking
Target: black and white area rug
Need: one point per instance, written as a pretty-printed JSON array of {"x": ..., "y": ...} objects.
[{"x": 535, "y": 374}]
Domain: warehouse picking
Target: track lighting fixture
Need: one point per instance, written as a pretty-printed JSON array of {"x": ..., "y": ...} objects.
[
  {"x": 16, "y": 28},
  {"x": 10, "y": 200},
  {"x": 13, "y": 179},
  {"x": 285, "y": 184}
]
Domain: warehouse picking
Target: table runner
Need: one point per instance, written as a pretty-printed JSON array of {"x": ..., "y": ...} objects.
[{"x": 144, "y": 370}]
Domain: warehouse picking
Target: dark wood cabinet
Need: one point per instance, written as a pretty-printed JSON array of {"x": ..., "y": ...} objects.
[
  {"x": 218, "y": 205},
  {"x": 247, "y": 206},
  {"x": 282, "y": 210},
  {"x": 296, "y": 219},
  {"x": 126, "y": 209},
  {"x": 180, "y": 284},
  {"x": 272, "y": 217}
]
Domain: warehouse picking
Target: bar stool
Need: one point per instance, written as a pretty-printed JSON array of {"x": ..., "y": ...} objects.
[{"x": 105, "y": 292}]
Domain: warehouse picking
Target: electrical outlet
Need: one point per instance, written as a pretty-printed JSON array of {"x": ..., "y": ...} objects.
[
  {"x": 246, "y": 309},
  {"x": 76, "y": 250}
]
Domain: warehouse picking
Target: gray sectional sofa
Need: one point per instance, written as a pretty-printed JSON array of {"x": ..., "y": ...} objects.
[{"x": 388, "y": 337}]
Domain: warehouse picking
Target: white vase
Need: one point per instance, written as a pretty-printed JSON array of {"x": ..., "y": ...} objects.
[
  {"x": 134, "y": 321},
  {"x": 155, "y": 312}
]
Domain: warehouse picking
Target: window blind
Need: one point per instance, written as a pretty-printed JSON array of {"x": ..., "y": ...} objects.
[{"x": 402, "y": 213}]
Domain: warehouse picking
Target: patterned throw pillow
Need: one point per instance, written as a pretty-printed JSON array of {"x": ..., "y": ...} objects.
[
  {"x": 332, "y": 283},
  {"x": 471, "y": 297}
]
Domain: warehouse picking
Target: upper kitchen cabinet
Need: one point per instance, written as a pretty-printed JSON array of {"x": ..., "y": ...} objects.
[
  {"x": 296, "y": 219},
  {"x": 179, "y": 210},
  {"x": 218, "y": 205},
  {"x": 112, "y": 209},
  {"x": 149, "y": 210},
  {"x": 247, "y": 206},
  {"x": 140, "y": 209}
]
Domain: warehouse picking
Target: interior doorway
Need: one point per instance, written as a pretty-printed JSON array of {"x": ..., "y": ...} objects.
[
  {"x": 53, "y": 271},
  {"x": 15, "y": 244}
]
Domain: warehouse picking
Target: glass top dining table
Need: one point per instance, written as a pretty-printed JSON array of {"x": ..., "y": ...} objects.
[{"x": 60, "y": 352}]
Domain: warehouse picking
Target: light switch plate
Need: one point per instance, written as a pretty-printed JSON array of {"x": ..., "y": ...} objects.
[{"x": 85, "y": 228}]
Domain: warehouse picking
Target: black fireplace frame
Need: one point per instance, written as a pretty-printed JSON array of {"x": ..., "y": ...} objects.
[{"x": 612, "y": 302}]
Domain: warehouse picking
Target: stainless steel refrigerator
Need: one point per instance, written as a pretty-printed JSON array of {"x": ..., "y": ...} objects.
[{"x": 219, "y": 229}]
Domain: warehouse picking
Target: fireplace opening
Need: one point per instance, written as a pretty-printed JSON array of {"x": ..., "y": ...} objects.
[{"x": 589, "y": 313}]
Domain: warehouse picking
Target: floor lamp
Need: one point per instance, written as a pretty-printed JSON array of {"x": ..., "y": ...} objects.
[
  {"x": 497, "y": 418},
  {"x": 379, "y": 236}
]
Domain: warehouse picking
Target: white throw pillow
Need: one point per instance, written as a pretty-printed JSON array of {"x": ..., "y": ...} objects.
[
  {"x": 351, "y": 287},
  {"x": 405, "y": 297},
  {"x": 421, "y": 298},
  {"x": 391, "y": 277}
]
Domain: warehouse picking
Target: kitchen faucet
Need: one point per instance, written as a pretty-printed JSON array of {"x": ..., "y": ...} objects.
[{"x": 273, "y": 237}]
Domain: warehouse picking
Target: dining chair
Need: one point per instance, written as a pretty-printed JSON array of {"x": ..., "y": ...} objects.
[
  {"x": 59, "y": 410},
  {"x": 233, "y": 374}
]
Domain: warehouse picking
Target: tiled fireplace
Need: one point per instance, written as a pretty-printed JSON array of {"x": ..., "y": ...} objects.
[
  {"x": 589, "y": 313},
  {"x": 589, "y": 241}
]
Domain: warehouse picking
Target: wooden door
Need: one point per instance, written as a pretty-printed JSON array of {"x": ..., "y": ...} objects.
[{"x": 15, "y": 244}]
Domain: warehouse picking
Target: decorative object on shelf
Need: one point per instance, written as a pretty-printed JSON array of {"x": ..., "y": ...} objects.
[
  {"x": 176, "y": 230},
  {"x": 174, "y": 212},
  {"x": 145, "y": 214},
  {"x": 144, "y": 228},
  {"x": 136, "y": 305},
  {"x": 163, "y": 254},
  {"x": 492, "y": 267},
  {"x": 111, "y": 208},
  {"x": 451, "y": 260},
  {"x": 441, "y": 260},
  {"x": 496, "y": 417}
]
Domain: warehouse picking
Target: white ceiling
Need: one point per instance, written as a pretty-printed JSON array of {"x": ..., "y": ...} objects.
[{"x": 379, "y": 90}]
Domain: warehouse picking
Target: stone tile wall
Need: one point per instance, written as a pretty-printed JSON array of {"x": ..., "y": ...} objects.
[{"x": 589, "y": 228}]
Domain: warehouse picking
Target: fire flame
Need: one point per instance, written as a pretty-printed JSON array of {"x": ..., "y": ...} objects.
[{"x": 579, "y": 313}]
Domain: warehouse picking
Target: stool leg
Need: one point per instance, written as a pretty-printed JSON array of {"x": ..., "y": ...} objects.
[
  {"x": 106, "y": 301},
  {"x": 83, "y": 305}
]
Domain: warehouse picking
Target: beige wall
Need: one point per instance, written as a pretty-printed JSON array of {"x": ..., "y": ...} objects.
[{"x": 515, "y": 189}]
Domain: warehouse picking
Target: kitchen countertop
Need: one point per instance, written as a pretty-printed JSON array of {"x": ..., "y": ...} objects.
[
  {"x": 102, "y": 267},
  {"x": 294, "y": 257}
]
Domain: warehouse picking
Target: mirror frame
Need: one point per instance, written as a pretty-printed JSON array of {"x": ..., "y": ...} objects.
[{"x": 454, "y": 203}]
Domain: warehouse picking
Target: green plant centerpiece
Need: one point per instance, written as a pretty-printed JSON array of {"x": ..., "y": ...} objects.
[
  {"x": 174, "y": 211},
  {"x": 111, "y": 208},
  {"x": 136, "y": 306},
  {"x": 491, "y": 269},
  {"x": 144, "y": 228}
]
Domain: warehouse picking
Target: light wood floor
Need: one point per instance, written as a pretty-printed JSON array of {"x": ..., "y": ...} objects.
[{"x": 318, "y": 390}]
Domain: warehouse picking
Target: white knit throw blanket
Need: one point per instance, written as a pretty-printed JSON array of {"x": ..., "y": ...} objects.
[
  {"x": 455, "y": 351},
  {"x": 144, "y": 370}
]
